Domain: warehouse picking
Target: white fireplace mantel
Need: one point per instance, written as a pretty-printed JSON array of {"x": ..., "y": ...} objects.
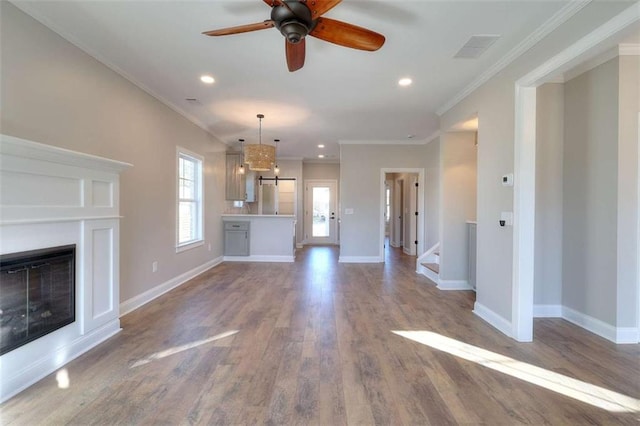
[{"x": 52, "y": 197}]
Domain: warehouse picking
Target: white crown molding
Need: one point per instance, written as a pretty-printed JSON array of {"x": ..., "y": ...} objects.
[
  {"x": 545, "y": 29},
  {"x": 426, "y": 141},
  {"x": 435, "y": 135},
  {"x": 32, "y": 12},
  {"x": 574, "y": 54},
  {"x": 629, "y": 49},
  {"x": 382, "y": 142},
  {"x": 590, "y": 64},
  {"x": 626, "y": 49},
  {"x": 321, "y": 161},
  {"x": 289, "y": 158}
]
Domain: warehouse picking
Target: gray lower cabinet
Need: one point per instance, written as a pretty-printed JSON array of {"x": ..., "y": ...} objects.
[{"x": 237, "y": 238}]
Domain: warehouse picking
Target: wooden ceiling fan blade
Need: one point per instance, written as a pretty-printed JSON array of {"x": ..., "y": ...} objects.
[
  {"x": 320, "y": 7},
  {"x": 295, "y": 55},
  {"x": 241, "y": 28},
  {"x": 347, "y": 35},
  {"x": 317, "y": 7},
  {"x": 272, "y": 3}
]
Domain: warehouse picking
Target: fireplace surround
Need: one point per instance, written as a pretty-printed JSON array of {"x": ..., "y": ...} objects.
[{"x": 52, "y": 197}]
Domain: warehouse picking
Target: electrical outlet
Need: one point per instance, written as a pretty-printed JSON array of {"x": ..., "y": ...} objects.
[
  {"x": 209, "y": 246},
  {"x": 154, "y": 266},
  {"x": 506, "y": 218}
]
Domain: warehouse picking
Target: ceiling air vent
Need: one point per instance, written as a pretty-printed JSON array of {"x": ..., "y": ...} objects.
[{"x": 476, "y": 46}]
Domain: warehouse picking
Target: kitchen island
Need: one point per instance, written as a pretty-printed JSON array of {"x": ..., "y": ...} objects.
[{"x": 271, "y": 237}]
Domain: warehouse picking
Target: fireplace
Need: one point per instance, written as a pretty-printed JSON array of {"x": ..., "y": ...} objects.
[{"x": 37, "y": 294}]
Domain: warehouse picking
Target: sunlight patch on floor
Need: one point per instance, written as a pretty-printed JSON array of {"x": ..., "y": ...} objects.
[
  {"x": 62, "y": 377},
  {"x": 182, "y": 348},
  {"x": 573, "y": 388}
]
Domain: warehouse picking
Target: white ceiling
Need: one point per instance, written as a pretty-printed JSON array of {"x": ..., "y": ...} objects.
[{"x": 341, "y": 94}]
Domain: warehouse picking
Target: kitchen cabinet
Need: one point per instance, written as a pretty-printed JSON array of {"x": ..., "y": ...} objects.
[
  {"x": 235, "y": 182},
  {"x": 236, "y": 238},
  {"x": 239, "y": 187}
]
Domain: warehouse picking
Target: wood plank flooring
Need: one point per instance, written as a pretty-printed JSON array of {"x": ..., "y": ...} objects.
[{"x": 312, "y": 343}]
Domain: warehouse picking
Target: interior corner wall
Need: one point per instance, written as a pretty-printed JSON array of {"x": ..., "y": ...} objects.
[
  {"x": 360, "y": 167},
  {"x": 459, "y": 195},
  {"x": 494, "y": 102},
  {"x": 628, "y": 206},
  {"x": 432, "y": 194},
  {"x": 548, "y": 227},
  {"x": 590, "y": 170},
  {"x": 54, "y": 93}
]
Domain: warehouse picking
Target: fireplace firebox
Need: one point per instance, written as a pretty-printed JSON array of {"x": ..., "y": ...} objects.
[{"x": 37, "y": 294}]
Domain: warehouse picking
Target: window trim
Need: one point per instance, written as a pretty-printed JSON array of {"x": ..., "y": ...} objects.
[{"x": 199, "y": 192}]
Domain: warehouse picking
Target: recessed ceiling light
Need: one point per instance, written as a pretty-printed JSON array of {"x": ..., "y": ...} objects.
[
  {"x": 321, "y": 156},
  {"x": 405, "y": 81},
  {"x": 207, "y": 79},
  {"x": 321, "y": 146}
]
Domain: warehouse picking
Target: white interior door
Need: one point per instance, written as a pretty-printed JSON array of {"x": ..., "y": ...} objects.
[{"x": 321, "y": 220}]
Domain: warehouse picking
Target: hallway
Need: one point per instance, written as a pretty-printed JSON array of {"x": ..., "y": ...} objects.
[{"x": 313, "y": 342}]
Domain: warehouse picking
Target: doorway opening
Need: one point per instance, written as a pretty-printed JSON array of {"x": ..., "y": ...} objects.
[{"x": 402, "y": 210}]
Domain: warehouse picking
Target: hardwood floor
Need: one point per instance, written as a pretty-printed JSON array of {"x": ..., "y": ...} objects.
[{"x": 313, "y": 343}]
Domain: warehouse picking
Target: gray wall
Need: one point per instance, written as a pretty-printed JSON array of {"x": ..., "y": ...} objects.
[
  {"x": 432, "y": 193},
  {"x": 321, "y": 171},
  {"x": 52, "y": 92},
  {"x": 458, "y": 156},
  {"x": 548, "y": 231},
  {"x": 590, "y": 168},
  {"x": 360, "y": 167},
  {"x": 628, "y": 302}
]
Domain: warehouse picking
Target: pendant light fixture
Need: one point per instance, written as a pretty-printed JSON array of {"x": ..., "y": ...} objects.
[
  {"x": 276, "y": 169},
  {"x": 241, "y": 168},
  {"x": 260, "y": 157}
]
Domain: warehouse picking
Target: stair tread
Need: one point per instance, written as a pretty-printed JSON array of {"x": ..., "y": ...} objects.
[{"x": 433, "y": 266}]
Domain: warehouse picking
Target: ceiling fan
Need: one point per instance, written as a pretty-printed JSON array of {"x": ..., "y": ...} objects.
[{"x": 298, "y": 18}]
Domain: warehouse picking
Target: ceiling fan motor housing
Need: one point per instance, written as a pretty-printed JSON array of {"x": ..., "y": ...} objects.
[{"x": 294, "y": 20}]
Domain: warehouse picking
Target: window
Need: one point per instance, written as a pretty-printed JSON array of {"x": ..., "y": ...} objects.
[{"x": 189, "y": 199}]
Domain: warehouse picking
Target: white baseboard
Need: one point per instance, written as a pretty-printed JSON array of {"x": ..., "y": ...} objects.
[
  {"x": 493, "y": 319},
  {"x": 359, "y": 259},
  {"x": 454, "y": 285},
  {"x": 619, "y": 335},
  {"x": 259, "y": 258},
  {"x": 432, "y": 276},
  {"x": 627, "y": 335},
  {"x": 46, "y": 365},
  {"x": 547, "y": 311},
  {"x": 146, "y": 297}
]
